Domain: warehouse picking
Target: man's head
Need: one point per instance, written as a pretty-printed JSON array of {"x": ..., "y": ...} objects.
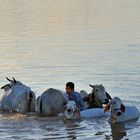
[{"x": 69, "y": 88}]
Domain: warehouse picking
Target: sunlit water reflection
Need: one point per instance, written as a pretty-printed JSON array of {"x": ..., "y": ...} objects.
[{"x": 47, "y": 43}]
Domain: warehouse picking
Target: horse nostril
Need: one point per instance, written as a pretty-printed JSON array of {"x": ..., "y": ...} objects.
[
  {"x": 119, "y": 113},
  {"x": 69, "y": 110}
]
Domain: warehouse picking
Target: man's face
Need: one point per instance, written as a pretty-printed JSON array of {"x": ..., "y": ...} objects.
[{"x": 69, "y": 90}]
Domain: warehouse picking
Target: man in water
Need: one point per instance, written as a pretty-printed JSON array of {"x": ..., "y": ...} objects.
[{"x": 75, "y": 96}]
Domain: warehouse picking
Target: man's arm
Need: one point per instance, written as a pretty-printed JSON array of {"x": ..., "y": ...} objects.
[{"x": 81, "y": 102}]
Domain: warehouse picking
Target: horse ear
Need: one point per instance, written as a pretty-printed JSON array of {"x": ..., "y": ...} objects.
[
  {"x": 2, "y": 87},
  {"x": 9, "y": 79},
  {"x": 122, "y": 108},
  {"x": 108, "y": 96},
  {"x": 8, "y": 85},
  {"x": 91, "y": 85},
  {"x": 107, "y": 107},
  {"x": 14, "y": 80}
]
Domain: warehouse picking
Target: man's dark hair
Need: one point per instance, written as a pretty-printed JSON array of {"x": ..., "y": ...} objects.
[{"x": 70, "y": 84}]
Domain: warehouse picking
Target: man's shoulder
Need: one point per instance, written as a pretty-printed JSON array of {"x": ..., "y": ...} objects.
[{"x": 77, "y": 94}]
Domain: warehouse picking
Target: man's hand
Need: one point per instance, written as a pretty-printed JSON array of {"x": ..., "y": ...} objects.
[{"x": 78, "y": 113}]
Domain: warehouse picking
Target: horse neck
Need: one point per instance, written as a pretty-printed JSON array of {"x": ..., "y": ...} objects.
[{"x": 97, "y": 103}]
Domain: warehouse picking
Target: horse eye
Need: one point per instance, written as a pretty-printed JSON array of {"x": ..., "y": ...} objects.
[
  {"x": 114, "y": 103},
  {"x": 96, "y": 90}
]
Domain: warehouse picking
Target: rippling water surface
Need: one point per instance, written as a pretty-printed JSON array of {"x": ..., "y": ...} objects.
[{"x": 47, "y": 43}]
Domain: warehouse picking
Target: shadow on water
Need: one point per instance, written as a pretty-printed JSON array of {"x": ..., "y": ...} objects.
[
  {"x": 118, "y": 131},
  {"x": 71, "y": 129}
]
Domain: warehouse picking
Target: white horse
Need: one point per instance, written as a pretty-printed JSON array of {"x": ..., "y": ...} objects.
[
  {"x": 97, "y": 98},
  {"x": 71, "y": 110},
  {"x": 17, "y": 98},
  {"x": 51, "y": 102},
  {"x": 121, "y": 113}
]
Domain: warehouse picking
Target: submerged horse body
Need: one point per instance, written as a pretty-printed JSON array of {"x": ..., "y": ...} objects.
[
  {"x": 120, "y": 112},
  {"x": 17, "y": 97},
  {"x": 20, "y": 98},
  {"x": 51, "y": 102}
]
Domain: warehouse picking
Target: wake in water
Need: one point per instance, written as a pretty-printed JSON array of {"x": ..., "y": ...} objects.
[{"x": 16, "y": 124}]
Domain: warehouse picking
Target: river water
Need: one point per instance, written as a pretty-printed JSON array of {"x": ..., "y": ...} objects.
[{"x": 46, "y": 43}]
